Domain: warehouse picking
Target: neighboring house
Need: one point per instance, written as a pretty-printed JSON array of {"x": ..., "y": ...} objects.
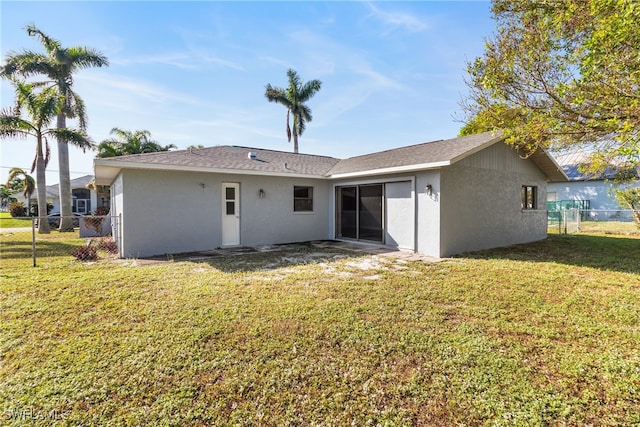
[
  {"x": 594, "y": 195},
  {"x": 438, "y": 198},
  {"x": 84, "y": 200},
  {"x": 52, "y": 197}
]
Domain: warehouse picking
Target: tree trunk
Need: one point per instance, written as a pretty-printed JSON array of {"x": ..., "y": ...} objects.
[
  {"x": 295, "y": 135},
  {"x": 43, "y": 222},
  {"x": 66, "y": 221}
]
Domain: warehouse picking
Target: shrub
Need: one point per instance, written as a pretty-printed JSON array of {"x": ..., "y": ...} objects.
[
  {"x": 17, "y": 209},
  {"x": 101, "y": 211},
  {"x": 108, "y": 245},
  {"x": 85, "y": 253}
]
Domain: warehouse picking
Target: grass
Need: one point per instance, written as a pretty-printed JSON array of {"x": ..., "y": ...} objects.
[
  {"x": 610, "y": 227},
  {"x": 540, "y": 334},
  {"x": 7, "y": 221}
]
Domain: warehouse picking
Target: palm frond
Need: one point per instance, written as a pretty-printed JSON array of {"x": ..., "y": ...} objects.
[
  {"x": 108, "y": 149},
  {"x": 308, "y": 90},
  {"x": 83, "y": 57},
  {"x": 50, "y": 44},
  {"x": 76, "y": 109},
  {"x": 47, "y": 151},
  {"x": 28, "y": 183},
  {"x": 76, "y": 137},
  {"x": 277, "y": 95},
  {"x": 12, "y": 125},
  {"x": 26, "y": 64}
]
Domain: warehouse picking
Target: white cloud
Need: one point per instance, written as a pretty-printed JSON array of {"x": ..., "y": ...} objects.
[
  {"x": 179, "y": 60},
  {"x": 192, "y": 60},
  {"x": 395, "y": 19},
  {"x": 117, "y": 87}
]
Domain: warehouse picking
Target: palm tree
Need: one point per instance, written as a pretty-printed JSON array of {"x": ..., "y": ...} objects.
[
  {"x": 58, "y": 65},
  {"x": 5, "y": 196},
  {"x": 42, "y": 107},
  {"x": 130, "y": 142},
  {"x": 27, "y": 183},
  {"x": 294, "y": 98}
]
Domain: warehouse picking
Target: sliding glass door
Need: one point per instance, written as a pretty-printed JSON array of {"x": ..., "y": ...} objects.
[
  {"x": 359, "y": 212},
  {"x": 347, "y": 212}
]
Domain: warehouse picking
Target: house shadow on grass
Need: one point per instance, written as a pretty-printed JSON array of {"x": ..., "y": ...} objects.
[
  {"x": 44, "y": 249},
  {"x": 603, "y": 252},
  {"x": 265, "y": 258}
]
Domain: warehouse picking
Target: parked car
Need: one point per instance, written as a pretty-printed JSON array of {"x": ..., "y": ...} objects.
[{"x": 54, "y": 220}]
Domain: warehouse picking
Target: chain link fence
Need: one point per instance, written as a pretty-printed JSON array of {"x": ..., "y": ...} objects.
[
  {"x": 22, "y": 245},
  {"x": 574, "y": 220}
]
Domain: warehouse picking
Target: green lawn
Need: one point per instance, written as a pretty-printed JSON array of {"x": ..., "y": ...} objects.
[
  {"x": 534, "y": 335},
  {"x": 6, "y": 221}
]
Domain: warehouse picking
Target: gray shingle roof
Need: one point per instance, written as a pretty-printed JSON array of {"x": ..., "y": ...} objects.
[
  {"x": 447, "y": 150},
  {"x": 81, "y": 182},
  {"x": 237, "y": 159},
  {"x": 234, "y": 158}
]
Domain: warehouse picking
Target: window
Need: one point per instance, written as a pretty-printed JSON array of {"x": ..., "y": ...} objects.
[
  {"x": 529, "y": 197},
  {"x": 302, "y": 199}
]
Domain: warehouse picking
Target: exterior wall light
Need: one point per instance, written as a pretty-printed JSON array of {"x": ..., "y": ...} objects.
[
  {"x": 261, "y": 193},
  {"x": 429, "y": 189}
]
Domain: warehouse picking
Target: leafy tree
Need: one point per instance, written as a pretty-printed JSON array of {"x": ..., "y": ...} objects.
[
  {"x": 58, "y": 64},
  {"x": 293, "y": 97},
  {"x": 561, "y": 73},
  {"x": 130, "y": 142},
  {"x": 5, "y": 196},
  {"x": 27, "y": 183},
  {"x": 42, "y": 107},
  {"x": 630, "y": 198}
]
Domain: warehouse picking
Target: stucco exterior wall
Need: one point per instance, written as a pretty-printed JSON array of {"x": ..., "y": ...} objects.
[
  {"x": 481, "y": 202},
  {"x": 400, "y": 215},
  {"x": 166, "y": 212},
  {"x": 428, "y": 215}
]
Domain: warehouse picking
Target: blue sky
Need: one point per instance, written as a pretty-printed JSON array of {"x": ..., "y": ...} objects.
[{"x": 194, "y": 72}]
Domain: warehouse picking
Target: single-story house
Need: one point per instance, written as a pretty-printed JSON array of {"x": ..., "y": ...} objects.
[
  {"x": 438, "y": 198},
  {"x": 592, "y": 194},
  {"x": 83, "y": 199}
]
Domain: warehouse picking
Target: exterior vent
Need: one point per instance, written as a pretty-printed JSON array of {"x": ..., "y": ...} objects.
[{"x": 252, "y": 155}]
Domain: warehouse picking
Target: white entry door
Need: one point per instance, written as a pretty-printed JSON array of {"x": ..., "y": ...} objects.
[
  {"x": 81, "y": 206},
  {"x": 230, "y": 214}
]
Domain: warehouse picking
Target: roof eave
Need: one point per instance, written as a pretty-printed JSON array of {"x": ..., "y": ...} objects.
[
  {"x": 391, "y": 170},
  {"x": 111, "y": 169},
  {"x": 548, "y": 165}
]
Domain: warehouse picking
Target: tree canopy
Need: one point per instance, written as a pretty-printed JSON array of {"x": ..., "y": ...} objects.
[
  {"x": 293, "y": 97},
  {"x": 57, "y": 65},
  {"x": 561, "y": 73},
  {"x": 130, "y": 142},
  {"x": 26, "y": 184},
  {"x": 42, "y": 107}
]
